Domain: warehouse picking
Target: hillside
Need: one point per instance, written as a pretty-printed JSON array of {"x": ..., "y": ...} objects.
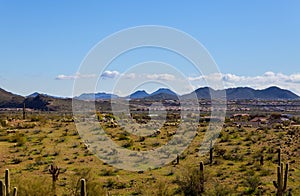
[
  {"x": 48, "y": 103},
  {"x": 139, "y": 95},
  {"x": 10, "y": 100},
  {"x": 246, "y": 93},
  {"x": 97, "y": 96},
  {"x": 162, "y": 94}
]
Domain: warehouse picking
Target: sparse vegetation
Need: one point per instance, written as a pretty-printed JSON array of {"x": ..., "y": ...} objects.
[{"x": 243, "y": 160}]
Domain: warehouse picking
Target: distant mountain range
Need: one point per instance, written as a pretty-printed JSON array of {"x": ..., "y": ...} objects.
[
  {"x": 138, "y": 95},
  {"x": 92, "y": 96},
  {"x": 246, "y": 93},
  {"x": 239, "y": 93},
  {"x": 47, "y": 102},
  {"x": 265, "y": 94},
  {"x": 34, "y": 101},
  {"x": 162, "y": 93}
]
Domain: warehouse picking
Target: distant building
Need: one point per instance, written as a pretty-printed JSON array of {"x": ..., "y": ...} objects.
[{"x": 258, "y": 121}]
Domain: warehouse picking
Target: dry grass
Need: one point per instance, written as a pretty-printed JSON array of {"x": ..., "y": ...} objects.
[{"x": 28, "y": 147}]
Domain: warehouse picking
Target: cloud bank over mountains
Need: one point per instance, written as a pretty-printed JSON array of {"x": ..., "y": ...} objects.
[
  {"x": 291, "y": 82},
  {"x": 74, "y": 77}
]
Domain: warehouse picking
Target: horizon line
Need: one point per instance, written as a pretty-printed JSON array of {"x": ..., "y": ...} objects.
[{"x": 111, "y": 93}]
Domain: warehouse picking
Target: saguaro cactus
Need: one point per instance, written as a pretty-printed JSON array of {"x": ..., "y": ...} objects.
[
  {"x": 7, "y": 182},
  {"x": 54, "y": 171},
  {"x": 2, "y": 189},
  {"x": 83, "y": 187},
  {"x": 211, "y": 149},
  {"x": 279, "y": 156},
  {"x": 5, "y": 186},
  {"x": 261, "y": 161},
  {"x": 15, "y": 191},
  {"x": 201, "y": 185},
  {"x": 282, "y": 179},
  {"x": 24, "y": 111}
]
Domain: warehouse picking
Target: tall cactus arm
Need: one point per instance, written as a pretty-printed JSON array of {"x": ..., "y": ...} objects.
[
  {"x": 15, "y": 191},
  {"x": 83, "y": 187},
  {"x": 7, "y": 182},
  {"x": 286, "y": 176}
]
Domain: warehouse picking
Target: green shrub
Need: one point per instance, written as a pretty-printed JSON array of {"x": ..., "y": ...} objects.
[
  {"x": 220, "y": 190},
  {"x": 3, "y": 123},
  {"x": 188, "y": 182},
  {"x": 16, "y": 160},
  {"x": 19, "y": 139},
  {"x": 33, "y": 186},
  {"x": 251, "y": 183},
  {"x": 107, "y": 172}
]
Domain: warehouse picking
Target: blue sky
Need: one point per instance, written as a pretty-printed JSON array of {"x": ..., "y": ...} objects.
[{"x": 254, "y": 43}]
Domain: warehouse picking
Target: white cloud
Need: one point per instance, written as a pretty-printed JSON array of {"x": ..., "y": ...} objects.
[
  {"x": 232, "y": 78},
  {"x": 212, "y": 77},
  {"x": 163, "y": 77},
  {"x": 195, "y": 78},
  {"x": 290, "y": 82},
  {"x": 114, "y": 74},
  {"x": 75, "y": 76},
  {"x": 295, "y": 78},
  {"x": 110, "y": 74},
  {"x": 269, "y": 74},
  {"x": 129, "y": 76}
]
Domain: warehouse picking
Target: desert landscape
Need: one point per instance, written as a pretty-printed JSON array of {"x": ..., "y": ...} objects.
[
  {"x": 150, "y": 98},
  {"x": 243, "y": 161}
]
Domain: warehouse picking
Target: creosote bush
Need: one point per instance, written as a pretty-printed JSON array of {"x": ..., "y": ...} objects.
[{"x": 191, "y": 181}]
